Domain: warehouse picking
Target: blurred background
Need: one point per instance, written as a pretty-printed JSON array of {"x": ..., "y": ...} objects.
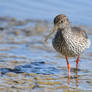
[
  {"x": 78, "y": 11},
  {"x": 27, "y": 63}
]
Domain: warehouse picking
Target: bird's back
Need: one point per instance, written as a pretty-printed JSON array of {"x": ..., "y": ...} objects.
[{"x": 79, "y": 32}]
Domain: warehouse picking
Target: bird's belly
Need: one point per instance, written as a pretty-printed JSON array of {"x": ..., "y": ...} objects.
[{"x": 69, "y": 49}]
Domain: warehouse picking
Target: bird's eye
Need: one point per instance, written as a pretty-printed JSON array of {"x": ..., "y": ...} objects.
[{"x": 61, "y": 21}]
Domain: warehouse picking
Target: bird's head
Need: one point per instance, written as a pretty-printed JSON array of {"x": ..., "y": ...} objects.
[{"x": 60, "y": 22}]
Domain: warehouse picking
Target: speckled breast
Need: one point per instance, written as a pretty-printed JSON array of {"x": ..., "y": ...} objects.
[{"x": 68, "y": 47}]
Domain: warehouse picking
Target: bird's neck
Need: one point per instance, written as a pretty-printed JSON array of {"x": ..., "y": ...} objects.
[{"x": 67, "y": 30}]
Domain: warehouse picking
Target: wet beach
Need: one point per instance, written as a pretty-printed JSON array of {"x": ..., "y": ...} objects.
[{"x": 29, "y": 64}]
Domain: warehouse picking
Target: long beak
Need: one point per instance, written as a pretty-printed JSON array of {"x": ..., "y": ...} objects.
[{"x": 54, "y": 29}]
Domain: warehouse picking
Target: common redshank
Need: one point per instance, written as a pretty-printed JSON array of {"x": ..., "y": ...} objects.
[{"x": 70, "y": 42}]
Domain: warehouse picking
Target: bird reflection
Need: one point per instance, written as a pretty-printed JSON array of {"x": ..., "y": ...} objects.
[{"x": 74, "y": 77}]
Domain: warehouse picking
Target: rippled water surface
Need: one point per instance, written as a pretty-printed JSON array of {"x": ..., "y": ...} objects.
[{"x": 27, "y": 63}]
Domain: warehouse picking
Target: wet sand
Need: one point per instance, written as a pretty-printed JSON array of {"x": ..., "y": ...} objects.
[{"x": 28, "y": 64}]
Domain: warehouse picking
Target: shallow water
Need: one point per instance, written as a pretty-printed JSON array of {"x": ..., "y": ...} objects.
[{"x": 27, "y": 64}]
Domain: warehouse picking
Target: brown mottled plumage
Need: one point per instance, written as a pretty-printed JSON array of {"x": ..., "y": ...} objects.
[{"x": 69, "y": 41}]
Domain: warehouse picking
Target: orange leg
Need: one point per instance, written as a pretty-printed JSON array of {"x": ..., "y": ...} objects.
[
  {"x": 77, "y": 61},
  {"x": 68, "y": 66}
]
